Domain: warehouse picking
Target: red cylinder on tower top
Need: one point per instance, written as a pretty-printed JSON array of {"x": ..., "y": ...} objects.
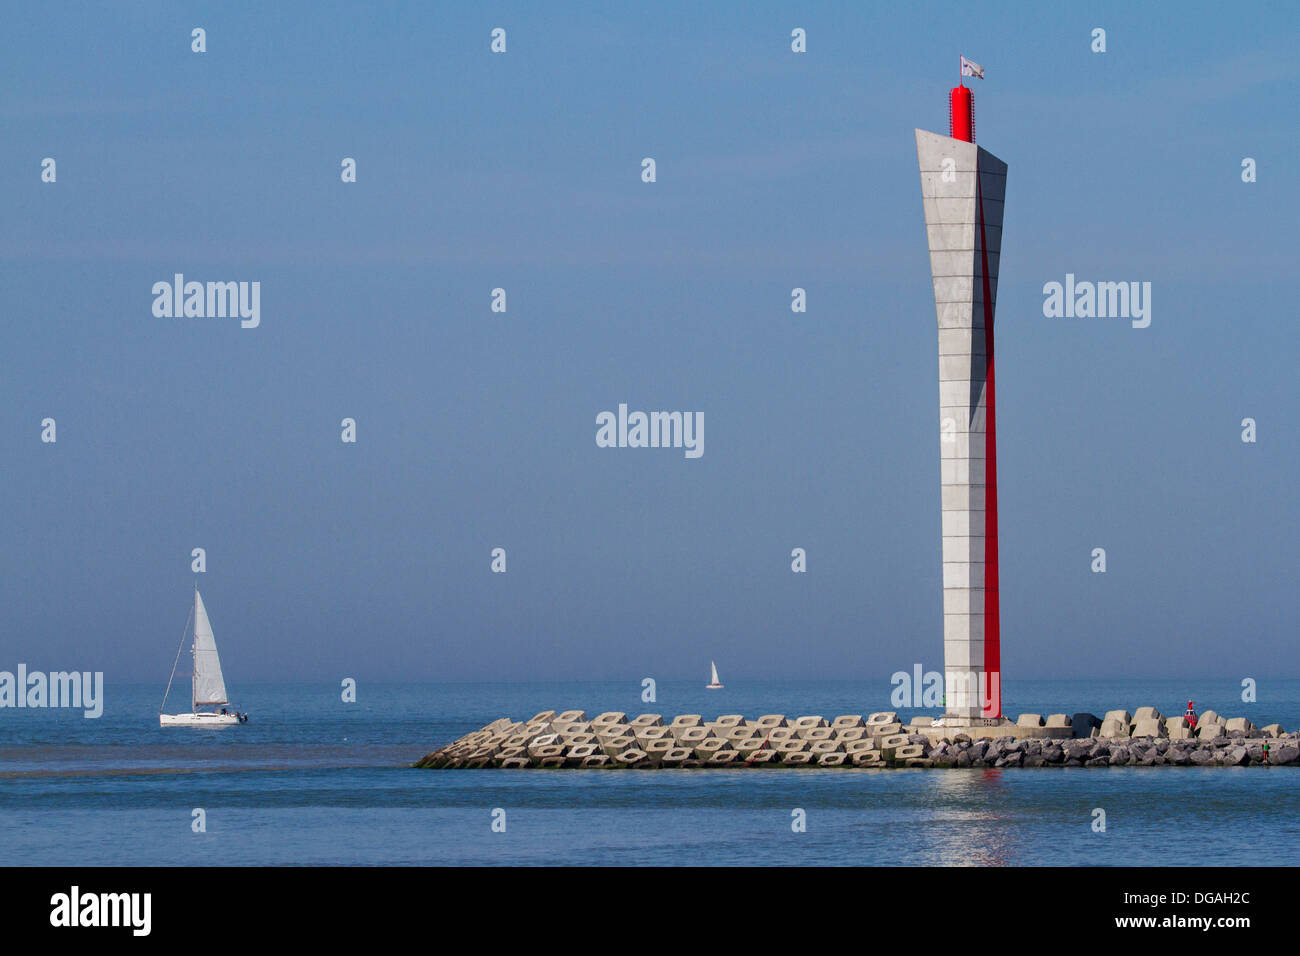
[{"x": 961, "y": 114}]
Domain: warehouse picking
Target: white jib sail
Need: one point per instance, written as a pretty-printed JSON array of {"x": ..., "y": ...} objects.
[
  {"x": 209, "y": 685},
  {"x": 714, "y": 667}
]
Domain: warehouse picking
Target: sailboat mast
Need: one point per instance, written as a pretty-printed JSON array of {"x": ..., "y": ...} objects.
[{"x": 194, "y": 661}]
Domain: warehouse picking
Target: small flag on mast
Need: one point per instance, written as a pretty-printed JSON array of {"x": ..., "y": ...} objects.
[{"x": 969, "y": 68}]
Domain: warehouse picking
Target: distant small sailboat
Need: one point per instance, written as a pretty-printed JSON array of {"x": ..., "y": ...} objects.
[
  {"x": 207, "y": 687},
  {"x": 715, "y": 684}
]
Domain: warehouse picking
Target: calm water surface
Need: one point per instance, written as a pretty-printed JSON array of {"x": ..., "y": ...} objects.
[{"x": 311, "y": 780}]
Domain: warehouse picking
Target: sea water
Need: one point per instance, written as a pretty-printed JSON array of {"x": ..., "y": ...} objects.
[{"x": 313, "y": 780}]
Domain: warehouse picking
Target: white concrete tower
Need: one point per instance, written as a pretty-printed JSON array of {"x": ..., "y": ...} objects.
[{"x": 963, "y": 188}]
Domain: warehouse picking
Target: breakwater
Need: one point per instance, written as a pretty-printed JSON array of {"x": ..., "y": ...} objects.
[{"x": 880, "y": 740}]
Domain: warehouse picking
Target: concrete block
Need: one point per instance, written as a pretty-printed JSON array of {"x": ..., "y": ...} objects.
[
  {"x": 806, "y": 723},
  {"x": 574, "y": 740},
  {"x": 1146, "y": 713},
  {"x": 544, "y": 753},
  {"x": 731, "y": 720},
  {"x": 688, "y": 736},
  {"x": 885, "y": 717},
  {"x": 1058, "y": 720},
  {"x": 736, "y": 734},
  {"x": 657, "y": 748},
  {"x": 540, "y": 741},
  {"x": 1209, "y": 717},
  {"x": 545, "y": 717},
  {"x": 573, "y": 717},
  {"x": 1029, "y": 720},
  {"x": 1113, "y": 727},
  {"x": 722, "y": 758},
  {"x": 814, "y": 733},
  {"x": 866, "y": 758},
  {"x": 890, "y": 744},
  {"x": 1179, "y": 730},
  {"x": 551, "y": 762},
  {"x": 768, "y": 721},
  {"x": 629, "y": 757},
  {"x": 613, "y": 746},
  {"x": 905, "y": 752},
  {"x": 866, "y": 745},
  {"x": 794, "y": 759},
  {"x": 1084, "y": 724},
  {"x": 1238, "y": 723},
  {"x": 748, "y": 747},
  {"x": 825, "y": 747},
  {"x": 1148, "y": 727},
  {"x": 922, "y": 722},
  {"x": 648, "y": 720},
  {"x": 514, "y": 763},
  {"x": 610, "y": 717},
  {"x": 792, "y": 746},
  {"x": 578, "y": 754},
  {"x": 885, "y": 730},
  {"x": 831, "y": 759},
  {"x": 595, "y": 760},
  {"x": 850, "y": 734},
  {"x": 1272, "y": 730},
  {"x": 762, "y": 757},
  {"x": 687, "y": 720},
  {"x": 676, "y": 756},
  {"x": 655, "y": 732},
  {"x": 778, "y": 733},
  {"x": 707, "y": 748},
  {"x": 1206, "y": 731},
  {"x": 848, "y": 721},
  {"x": 1123, "y": 716}
]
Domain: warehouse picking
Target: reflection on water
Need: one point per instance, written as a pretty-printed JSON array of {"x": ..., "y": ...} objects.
[{"x": 972, "y": 827}]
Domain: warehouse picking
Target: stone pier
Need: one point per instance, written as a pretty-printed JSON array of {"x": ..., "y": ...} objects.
[{"x": 611, "y": 741}]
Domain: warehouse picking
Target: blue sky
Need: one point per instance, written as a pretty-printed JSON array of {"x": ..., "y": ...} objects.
[{"x": 476, "y": 430}]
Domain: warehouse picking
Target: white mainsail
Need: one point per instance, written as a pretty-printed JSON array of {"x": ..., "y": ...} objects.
[
  {"x": 209, "y": 686},
  {"x": 714, "y": 667}
]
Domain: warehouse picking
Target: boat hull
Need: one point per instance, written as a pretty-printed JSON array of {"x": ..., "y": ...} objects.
[{"x": 198, "y": 720}]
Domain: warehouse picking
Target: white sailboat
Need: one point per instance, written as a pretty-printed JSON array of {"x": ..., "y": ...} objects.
[
  {"x": 207, "y": 687},
  {"x": 714, "y": 684}
]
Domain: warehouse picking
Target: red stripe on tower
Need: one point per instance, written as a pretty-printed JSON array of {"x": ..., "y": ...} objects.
[{"x": 992, "y": 632}]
